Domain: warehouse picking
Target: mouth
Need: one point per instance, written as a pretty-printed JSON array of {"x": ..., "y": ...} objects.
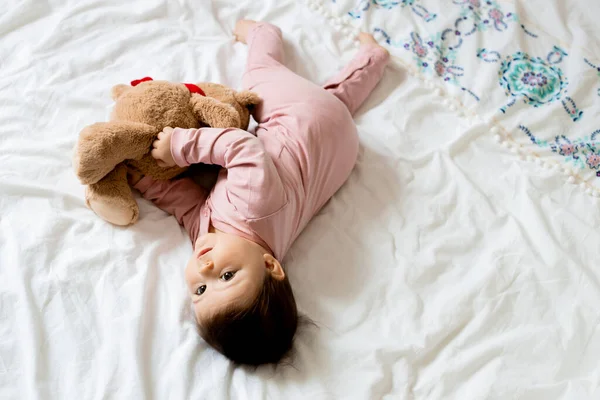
[{"x": 203, "y": 251}]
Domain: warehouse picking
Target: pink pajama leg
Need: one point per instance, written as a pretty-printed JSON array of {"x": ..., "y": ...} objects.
[
  {"x": 265, "y": 47},
  {"x": 353, "y": 84},
  {"x": 278, "y": 86},
  {"x": 266, "y": 75}
]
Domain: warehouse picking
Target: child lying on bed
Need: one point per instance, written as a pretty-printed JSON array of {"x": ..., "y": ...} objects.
[{"x": 270, "y": 186}]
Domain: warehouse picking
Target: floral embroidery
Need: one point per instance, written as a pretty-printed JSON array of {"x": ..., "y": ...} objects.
[
  {"x": 448, "y": 72},
  {"x": 593, "y": 160},
  {"x": 537, "y": 80},
  {"x": 431, "y": 55},
  {"x": 437, "y": 53},
  {"x": 556, "y": 55},
  {"x": 363, "y": 6},
  {"x": 483, "y": 14},
  {"x": 417, "y": 45},
  {"x": 571, "y": 109},
  {"x": 582, "y": 153},
  {"x": 452, "y": 38},
  {"x": 498, "y": 17},
  {"x": 531, "y": 78},
  {"x": 423, "y": 13},
  {"x": 563, "y": 146},
  {"x": 488, "y": 56}
]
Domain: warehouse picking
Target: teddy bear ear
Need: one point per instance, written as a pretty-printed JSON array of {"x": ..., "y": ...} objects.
[
  {"x": 117, "y": 91},
  {"x": 247, "y": 98}
]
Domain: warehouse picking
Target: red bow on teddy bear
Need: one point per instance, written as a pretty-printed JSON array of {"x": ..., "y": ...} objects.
[{"x": 191, "y": 87}]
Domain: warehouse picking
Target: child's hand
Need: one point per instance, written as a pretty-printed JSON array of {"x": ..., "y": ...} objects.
[{"x": 161, "y": 148}]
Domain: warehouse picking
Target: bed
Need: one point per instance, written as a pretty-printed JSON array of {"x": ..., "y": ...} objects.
[{"x": 461, "y": 259}]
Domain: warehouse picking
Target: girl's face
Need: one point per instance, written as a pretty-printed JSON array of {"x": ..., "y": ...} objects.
[{"x": 225, "y": 270}]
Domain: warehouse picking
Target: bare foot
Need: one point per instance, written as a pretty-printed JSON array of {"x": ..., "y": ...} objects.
[
  {"x": 242, "y": 27},
  {"x": 367, "y": 38}
]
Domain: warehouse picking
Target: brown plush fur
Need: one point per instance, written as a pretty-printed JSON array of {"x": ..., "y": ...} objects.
[{"x": 105, "y": 149}]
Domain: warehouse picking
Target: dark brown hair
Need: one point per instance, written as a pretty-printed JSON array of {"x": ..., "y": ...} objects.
[{"x": 262, "y": 333}]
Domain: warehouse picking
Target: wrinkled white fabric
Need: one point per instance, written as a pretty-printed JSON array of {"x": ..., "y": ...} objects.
[{"x": 446, "y": 267}]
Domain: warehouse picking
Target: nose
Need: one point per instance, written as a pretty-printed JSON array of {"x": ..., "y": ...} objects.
[{"x": 206, "y": 266}]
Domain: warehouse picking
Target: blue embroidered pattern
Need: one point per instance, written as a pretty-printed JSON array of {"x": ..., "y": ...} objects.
[
  {"x": 571, "y": 109},
  {"x": 556, "y": 55},
  {"x": 532, "y": 79},
  {"x": 488, "y": 56},
  {"x": 432, "y": 55},
  {"x": 529, "y": 33},
  {"x": 482, "y": 15},
  {"x": 535, "y": 78},
  {"x": 363, "y": 6},
  {"x": 582, "y": 153},
  {"x": 438, "y": 52}
]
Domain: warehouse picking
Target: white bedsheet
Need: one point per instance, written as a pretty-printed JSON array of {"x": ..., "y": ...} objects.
[{"x": 447, "y": 266}]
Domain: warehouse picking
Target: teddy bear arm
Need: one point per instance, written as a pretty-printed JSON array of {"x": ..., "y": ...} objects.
[
  {"x": 103, "y": 145},
  {"x": 215, "y": 113}
]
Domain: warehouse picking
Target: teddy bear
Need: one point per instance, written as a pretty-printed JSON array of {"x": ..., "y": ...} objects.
[{"x": 105, "y": 150}]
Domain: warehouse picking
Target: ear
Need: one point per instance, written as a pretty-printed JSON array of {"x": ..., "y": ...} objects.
[
  {"x": 274, "y": 267},
  {"x": 214, "y": 112},
  {"x": 117, "y": 91},
  {"x": 247, "y": 98}
]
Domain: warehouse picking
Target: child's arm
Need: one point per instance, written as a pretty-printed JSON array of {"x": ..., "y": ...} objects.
[
  {"x": 182, "y": 198},
  {"x": 253, "y": 185}
]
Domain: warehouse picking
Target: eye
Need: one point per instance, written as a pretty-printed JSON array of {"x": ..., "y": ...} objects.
[
  {"x": 200, "y": 290},
  {"x": 227, "y": 275}
]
